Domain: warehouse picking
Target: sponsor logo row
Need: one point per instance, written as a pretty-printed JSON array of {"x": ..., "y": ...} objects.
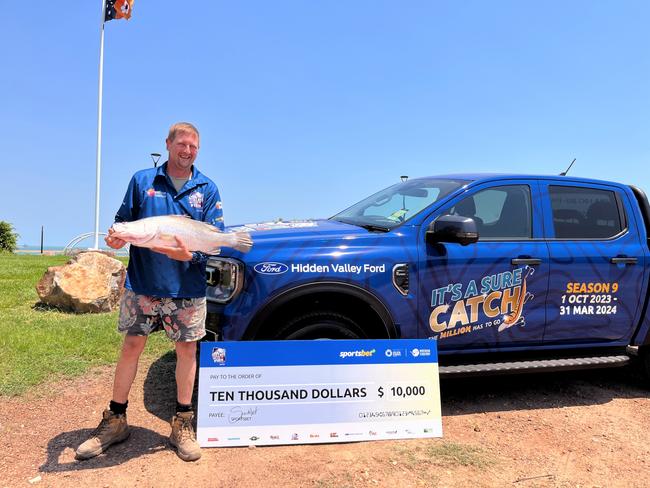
[
  {"x": 311, "y": 436},
  {"x": 219, "y": 353}
]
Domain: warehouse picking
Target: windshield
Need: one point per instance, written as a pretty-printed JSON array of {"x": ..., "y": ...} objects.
[{"x": 398, "y": 203}]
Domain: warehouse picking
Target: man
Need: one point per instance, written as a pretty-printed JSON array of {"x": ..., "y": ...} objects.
[{"x": 165, "y": 288}]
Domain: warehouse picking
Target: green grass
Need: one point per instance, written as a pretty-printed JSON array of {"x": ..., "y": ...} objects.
[
  {"x": 451, "y": 453},
  {"x": 444, "y": 453},
  {"x": 39, "y": 344}
]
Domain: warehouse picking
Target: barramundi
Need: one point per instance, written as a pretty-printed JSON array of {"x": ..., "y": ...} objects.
[{"x": 197, "y": 236}]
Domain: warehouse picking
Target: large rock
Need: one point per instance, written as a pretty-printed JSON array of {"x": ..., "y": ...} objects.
[{"x": 90, "y": 282}]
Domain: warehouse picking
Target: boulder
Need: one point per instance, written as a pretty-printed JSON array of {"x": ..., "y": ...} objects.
[{"x": 90, "y": 282}]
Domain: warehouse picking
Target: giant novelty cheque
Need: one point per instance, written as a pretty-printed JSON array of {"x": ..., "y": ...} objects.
[{"x": 297, "y": 392}]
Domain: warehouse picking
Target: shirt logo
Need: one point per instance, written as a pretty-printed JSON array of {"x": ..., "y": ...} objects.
[
  {"x": 153, "y": 193},
  {"x": 196, "y": 200}
]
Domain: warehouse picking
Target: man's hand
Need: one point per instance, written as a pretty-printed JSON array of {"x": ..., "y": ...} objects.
[
  {"x": 178, "y": 252},
  {"x": 114, "y": 242}
]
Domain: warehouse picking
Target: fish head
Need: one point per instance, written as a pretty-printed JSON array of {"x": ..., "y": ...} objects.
[{"x": 136, "y": 233}]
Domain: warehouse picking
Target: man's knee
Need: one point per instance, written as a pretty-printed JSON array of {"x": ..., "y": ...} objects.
[
  {"x": 186, "y": 350},
  {"x": 133, "y": 346}
]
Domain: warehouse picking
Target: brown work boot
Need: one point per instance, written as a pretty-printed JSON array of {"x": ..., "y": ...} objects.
[
  {"x": 111, "y": 430},
  {"x": 183, "y": 437}
]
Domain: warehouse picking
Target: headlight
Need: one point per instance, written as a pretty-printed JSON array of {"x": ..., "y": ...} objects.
[{"x": 225, "y": 278}]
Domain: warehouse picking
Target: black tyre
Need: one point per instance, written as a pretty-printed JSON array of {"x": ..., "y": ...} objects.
[{"x": 320, "y": 325}]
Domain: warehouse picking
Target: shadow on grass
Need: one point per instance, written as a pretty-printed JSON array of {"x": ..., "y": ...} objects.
[
  {"x": 141, "y": 442},
  {"x": 47, "y": 308},
  {"x": 541, "y": 391},
  {"x": 44, "y": 307}
]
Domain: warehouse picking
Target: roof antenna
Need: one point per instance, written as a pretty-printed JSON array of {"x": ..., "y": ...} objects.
[{"x": 567, "y": 170}]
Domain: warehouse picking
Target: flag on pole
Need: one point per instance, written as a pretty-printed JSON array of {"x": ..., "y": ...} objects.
[{"x": 118, "y": 9}]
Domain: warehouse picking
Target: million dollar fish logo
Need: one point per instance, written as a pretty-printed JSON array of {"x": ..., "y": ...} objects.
[
  {"x": 516, "y": 316},
  {"x": 499, "y": 298}
]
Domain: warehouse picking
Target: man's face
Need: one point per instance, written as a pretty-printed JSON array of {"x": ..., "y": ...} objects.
[{"x": 182, "y": 151}]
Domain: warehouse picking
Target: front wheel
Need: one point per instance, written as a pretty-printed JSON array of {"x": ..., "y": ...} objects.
[{"x": 320, "y": 325}]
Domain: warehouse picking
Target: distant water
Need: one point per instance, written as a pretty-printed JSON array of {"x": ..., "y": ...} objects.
[
  {"x": 27, "y": 249},
  {"x": 38, "y": 248}
]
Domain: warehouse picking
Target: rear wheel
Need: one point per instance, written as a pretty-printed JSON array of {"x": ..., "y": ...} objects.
[{"x": 320, "y": 325}]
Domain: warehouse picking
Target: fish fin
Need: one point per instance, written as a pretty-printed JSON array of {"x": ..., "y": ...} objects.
[{"x": 242, "y": 242}]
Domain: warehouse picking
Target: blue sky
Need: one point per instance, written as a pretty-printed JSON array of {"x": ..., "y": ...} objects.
[{"x": 305, "y": 107}]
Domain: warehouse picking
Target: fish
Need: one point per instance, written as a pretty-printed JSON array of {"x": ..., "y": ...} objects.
[
  {"x": 515, "y": 317},
  {"x": 162, "y": 231}
]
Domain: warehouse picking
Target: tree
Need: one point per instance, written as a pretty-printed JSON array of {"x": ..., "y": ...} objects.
[{"x": 8, "y": 237}]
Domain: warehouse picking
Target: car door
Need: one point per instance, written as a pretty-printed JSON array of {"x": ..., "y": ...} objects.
[
  {"x": 596, "y": 263},
  {"x": 490, "y": 294}
]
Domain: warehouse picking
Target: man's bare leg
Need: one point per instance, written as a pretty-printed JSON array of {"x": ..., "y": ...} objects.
[
  {"x": 127, "y": 367},
  {"x": 113, "y": 428},
  {"x": 185, "y": 371}
]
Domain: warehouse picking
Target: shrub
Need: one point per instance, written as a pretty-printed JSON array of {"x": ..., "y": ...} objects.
[{"x": 8, "y": 237}]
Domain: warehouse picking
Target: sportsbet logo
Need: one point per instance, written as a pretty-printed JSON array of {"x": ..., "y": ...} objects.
[{"x": 357, "y": 354}]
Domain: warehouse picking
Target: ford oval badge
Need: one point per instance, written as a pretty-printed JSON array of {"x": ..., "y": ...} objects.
[{"x": 271, "y": 268}]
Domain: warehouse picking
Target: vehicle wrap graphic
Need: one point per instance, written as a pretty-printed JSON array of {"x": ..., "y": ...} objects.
[
  {"x": 478, "y": 297},
  {"x": 585, "y": 261},
  {"x": 493, "y": 301}
]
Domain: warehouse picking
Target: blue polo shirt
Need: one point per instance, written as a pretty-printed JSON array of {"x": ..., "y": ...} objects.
[{"x": 151, "y": 193}]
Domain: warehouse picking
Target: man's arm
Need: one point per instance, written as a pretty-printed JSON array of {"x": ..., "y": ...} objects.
[
  {"x": 130, "y": 208},
  {"x": 212, "y": 211},
  {"x": 126, "y": 213},
  {"x": 178, "y": 252}
]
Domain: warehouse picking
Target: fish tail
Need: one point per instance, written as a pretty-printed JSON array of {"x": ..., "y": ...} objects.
[{"x": 242, "y": 241}]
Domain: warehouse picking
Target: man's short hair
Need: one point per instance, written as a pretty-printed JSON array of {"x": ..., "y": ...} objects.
[{"x": 181, "y": 127}]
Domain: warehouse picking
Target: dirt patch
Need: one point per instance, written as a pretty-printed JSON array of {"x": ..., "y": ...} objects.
[{"x": 561, "y": 430}]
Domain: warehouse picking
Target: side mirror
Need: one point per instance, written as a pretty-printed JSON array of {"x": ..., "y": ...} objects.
[{"x": 452, "y": 228}]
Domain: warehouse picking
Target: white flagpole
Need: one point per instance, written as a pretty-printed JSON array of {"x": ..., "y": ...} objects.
[{"x": 99, "y": 124}]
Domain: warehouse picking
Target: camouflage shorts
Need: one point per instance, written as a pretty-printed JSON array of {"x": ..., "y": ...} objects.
[{"x": 183, "y": 319}]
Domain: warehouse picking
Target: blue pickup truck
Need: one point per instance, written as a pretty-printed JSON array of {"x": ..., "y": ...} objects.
[{"x": 508, "y": 273}]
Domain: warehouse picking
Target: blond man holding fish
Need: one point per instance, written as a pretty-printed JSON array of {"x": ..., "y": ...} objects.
[{"x": 165, "y": 285}]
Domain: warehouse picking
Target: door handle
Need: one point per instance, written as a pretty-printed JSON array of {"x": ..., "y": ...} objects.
[
  {"x": 529, "y": 261},
  {"x": 623, "y": 260}
]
